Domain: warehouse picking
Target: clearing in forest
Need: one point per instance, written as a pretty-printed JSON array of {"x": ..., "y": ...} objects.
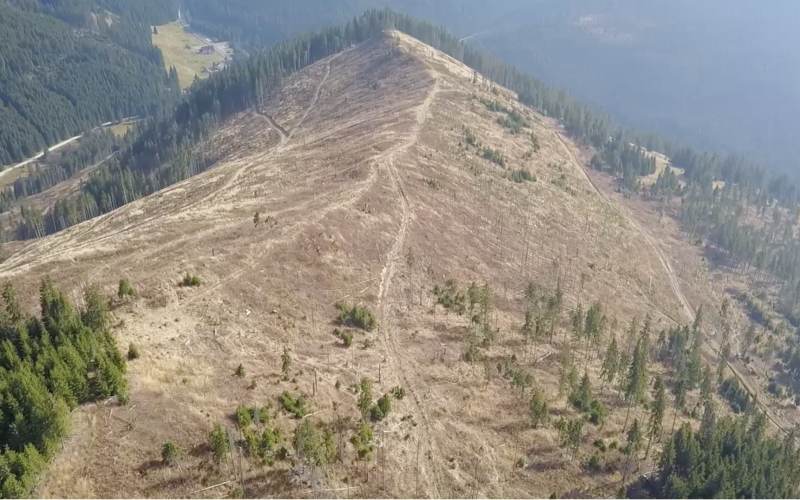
[{"x": 183, "y": 50}]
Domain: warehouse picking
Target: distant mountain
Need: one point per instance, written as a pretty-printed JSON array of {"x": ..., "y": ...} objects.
[
  {"x": 67, "y": 66},
  {"x": 704, "y": 73}
]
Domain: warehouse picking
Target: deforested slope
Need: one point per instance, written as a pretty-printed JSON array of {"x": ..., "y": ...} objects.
[{"x": 388, "y": 178}]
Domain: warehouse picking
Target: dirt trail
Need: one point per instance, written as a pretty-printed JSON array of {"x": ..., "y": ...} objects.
[
  {"x": 316, "y": 96},
  {"x": 673, "y": 280},
  {"x": 387, "y": 274},
  {"x": 674, "y": 284},
  {"x": 272, "y": 123}
]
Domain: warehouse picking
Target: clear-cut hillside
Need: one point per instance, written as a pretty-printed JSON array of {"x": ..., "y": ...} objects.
[{"x": 368, "y": 193}]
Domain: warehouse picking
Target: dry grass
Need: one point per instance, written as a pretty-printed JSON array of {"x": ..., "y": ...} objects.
[
  {"x": 121, "y": 129},
  {"x": 356, "y": 221},
  {"x": 173, "y": 40},
  {"x": 661, "y": 163}
]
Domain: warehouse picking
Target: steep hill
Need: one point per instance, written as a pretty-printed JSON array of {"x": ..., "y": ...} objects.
[
  {"x": 376, "y": 177},
  {"x": 678, "y": 68}
]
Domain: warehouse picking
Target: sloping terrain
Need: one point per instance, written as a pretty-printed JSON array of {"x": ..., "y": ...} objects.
[{"x": 367, "y": 192}]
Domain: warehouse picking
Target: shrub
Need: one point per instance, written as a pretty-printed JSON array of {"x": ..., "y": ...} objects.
[
  {"x": 600, "y": 445},
  {"x": 494, "y": 156},
  {"x": 470, "y": 138},
  {"x": 449, "y": 297},
  {"x": 240, "y": 371},
  {"x": 243, "y": 416},
  {"x": 597, "y": 412},
  {"x": 295, "y": 406},
  {"x": 398, "y": 393},
  {"x": 347, "y": 337},
  {"x": 472, "y": 354},
  {"x": 262, "y": 446},
  {"x": 520, "y": 463},
  {"x": 382, "y": 408},
  {"x": 126, "y": 290},
  {"x": 520, "y": 176},
  {"x": 594, "y": 464},
  {"x": 190, "y": 280},
  {"x": 355, "y": 316},
  {"x": 433, "y": 184},
  {"x": 362, "y": 440},
  {"x": 219, "y": 442},
  {"x": 133, "y": 351},
  {"x": 170, "y": 453}
]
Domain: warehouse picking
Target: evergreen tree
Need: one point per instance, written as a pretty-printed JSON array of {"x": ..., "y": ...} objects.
[
  {"x": 610, "y": 364},
  {"x": 634, "y": 440},
  {"x": 636, "y": 387},
  {"x": 706, "y": 385},
  {"x": 655, "y": 423},
  {"x": 537, "y": 409},
  {"x": 365, "y": 397},
  {"x": 680, "y": 387},
  {"x": 582, "y": 395}
]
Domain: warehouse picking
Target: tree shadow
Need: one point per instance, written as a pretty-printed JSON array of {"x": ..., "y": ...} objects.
[
  {"x": 200, "y": 450},
  {"x": 149, "y": 466}
]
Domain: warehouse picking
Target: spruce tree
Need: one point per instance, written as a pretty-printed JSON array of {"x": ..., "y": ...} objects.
[
  {"x": 655, "y": 423},
  {"x": 634, "y": 440},
  {"x": 538, "y": 409},
  {"x": 722, "y": 362},
  {"x": 582, "y": 395},
  {"x": 636, "y": 387},
  {"x": 610, "y": 364},
  {"x": 748, "y": 340},
  {"x": 706, "y": 385},
  {"x": 365, "y": 397},
  {"x": 680, "y": 387}
]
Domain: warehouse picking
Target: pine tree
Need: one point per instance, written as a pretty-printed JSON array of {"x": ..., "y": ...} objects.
[
  {"x": 708, "y": 422},
  {"x": 634, "y": 440},
  {"x": 365, "y": 398},
  {"x": 706, "y": 385},
  {"x": 680, "y": 387},
  {"x": 566, "y": 371},
  {"x": 722, "y": 362},
  {"x": 655, "y": 423},
  {"x": 538, "y": 409},
  {"x": 610, "y": 364},
  {"x": 748, "y": 340},
  {"x": 636, "y": 387},
  {"x": 96, "y": 314},
  {"x": 582, "y": 396},
  {"x": 569, "y": 434},
  {"x": 695, "y": 362}
]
